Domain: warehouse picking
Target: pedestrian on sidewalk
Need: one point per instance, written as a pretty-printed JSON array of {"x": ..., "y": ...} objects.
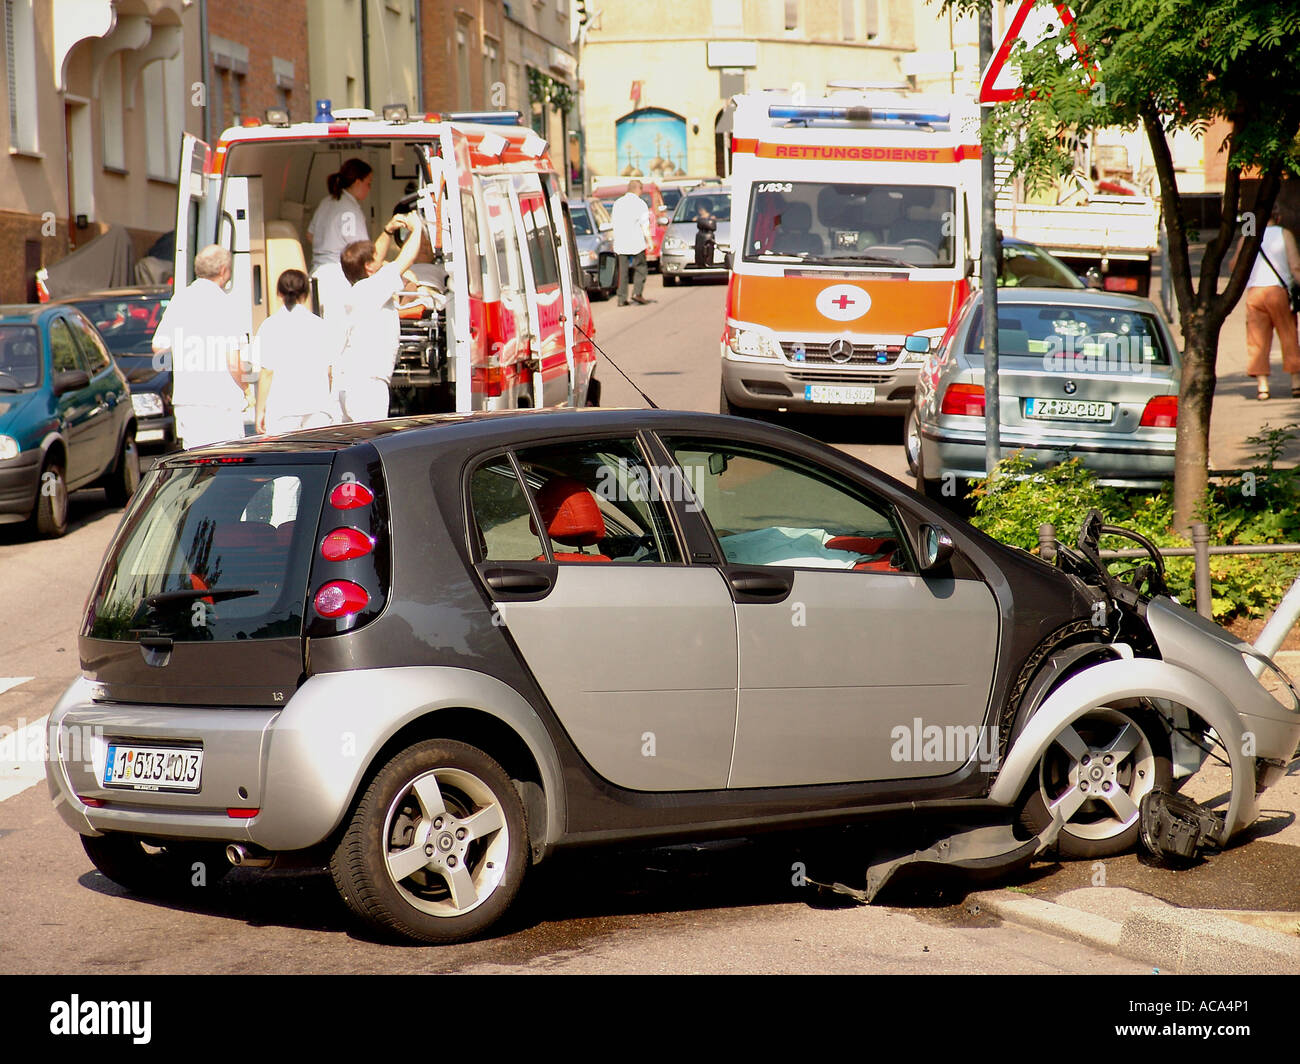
[
  {"x": 1268, "y": 306},
  {"x": 632, "y": 239},
  {"x": 295, "y": 349},
  {"x": 194, "y": 336},
  {"x": 371, "y": 330}
]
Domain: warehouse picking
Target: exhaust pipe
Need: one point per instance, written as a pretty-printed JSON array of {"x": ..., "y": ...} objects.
[{"x": 240, "y": 856}]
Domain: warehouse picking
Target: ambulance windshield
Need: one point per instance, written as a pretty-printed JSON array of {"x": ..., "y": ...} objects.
[{"x": 836, "y": 223}]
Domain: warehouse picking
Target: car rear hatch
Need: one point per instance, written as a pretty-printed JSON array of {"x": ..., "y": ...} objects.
[{"x": 202, "y": 594}]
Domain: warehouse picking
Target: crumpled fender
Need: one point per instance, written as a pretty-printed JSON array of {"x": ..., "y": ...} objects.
[{"x": 1111, "y": 681}]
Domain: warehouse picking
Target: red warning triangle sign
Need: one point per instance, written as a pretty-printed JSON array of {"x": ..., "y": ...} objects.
[{"x": 1033, "y": 21}]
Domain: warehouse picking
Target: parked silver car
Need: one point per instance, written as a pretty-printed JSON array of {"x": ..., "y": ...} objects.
[
  {"x": 677, "y": 255},
  {"x": 593, "y": 234},
  {"x": 1092, "y": 374}
]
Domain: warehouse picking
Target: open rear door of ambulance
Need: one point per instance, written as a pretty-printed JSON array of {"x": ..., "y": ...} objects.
[
  {"x": 195, "y": 206},
  {"x": 459, "y": 237}
]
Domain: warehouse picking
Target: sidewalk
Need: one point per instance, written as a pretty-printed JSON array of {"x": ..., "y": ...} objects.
[
  {"x": 1237, "y": 413},
  {"x": 1235, "y": 912}
]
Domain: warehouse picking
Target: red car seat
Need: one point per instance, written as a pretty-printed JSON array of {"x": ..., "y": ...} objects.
[{"x": 572, "y": 518}]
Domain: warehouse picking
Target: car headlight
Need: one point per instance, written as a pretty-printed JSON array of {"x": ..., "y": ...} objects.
[
  {"x": 674, "y": 243},
  {"x": 752, "y": 342},
  {"x": 9, "y": 447},
  {"x": 147, "y": 404}
]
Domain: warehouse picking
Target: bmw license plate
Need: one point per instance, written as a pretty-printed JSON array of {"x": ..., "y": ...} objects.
[
  {"x": 1069, "y": 409},
  {"x": 154, "y": 768},
  {"x": 829, "y": 393}
]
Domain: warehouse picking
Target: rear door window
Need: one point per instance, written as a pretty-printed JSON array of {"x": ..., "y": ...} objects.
[{"x": 212, "y": 553}]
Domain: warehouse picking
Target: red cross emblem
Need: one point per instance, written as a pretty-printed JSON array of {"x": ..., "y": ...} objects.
[{"x": 844, "y": 302}]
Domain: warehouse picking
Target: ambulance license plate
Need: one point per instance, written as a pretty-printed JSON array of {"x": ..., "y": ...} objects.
[{"x": 830, "y": 393}]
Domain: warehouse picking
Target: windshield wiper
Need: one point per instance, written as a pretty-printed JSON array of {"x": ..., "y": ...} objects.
[
  {"x": 216, "y": 594},
  {"x": 873, "y": 260}
]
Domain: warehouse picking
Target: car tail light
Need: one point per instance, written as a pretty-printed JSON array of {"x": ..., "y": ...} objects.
[
  {"x": 351, "y": 496},
  {"x": 343, "y": 544},
  {"x": 1161, "y": 412},
  {"x": 493, "y": 380},
  {"x": 964, "y": 399},
  {"x": 242, "y": 814},
  {"x": 1120, "y": 284},
  {"x": 94, "y": 803},
  {"x": 338, "y": 598}
]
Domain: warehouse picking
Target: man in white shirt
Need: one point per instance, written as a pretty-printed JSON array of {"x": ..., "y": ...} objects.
[
  {"x": 194, "y": 337},
  {"x": 370, "y": 327},
  {"x": 632, "y": 238}
]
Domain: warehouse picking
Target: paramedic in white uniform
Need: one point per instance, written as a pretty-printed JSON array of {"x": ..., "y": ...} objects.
[
  {"x": 369, "y": 324},
  {"x": 339, "y": 221},
  {"x": 193, "y": 334},
  {"x": 296, "y": 350}
]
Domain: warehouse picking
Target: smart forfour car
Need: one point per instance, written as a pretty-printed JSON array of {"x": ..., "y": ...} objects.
[{"x": 431, "y": 652}]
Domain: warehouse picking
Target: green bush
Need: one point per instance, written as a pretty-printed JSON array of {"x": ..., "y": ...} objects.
[{"x": 1260, "y": 506}]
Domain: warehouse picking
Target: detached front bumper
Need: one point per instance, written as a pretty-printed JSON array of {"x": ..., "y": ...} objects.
[{"x": 771, "y": 385}]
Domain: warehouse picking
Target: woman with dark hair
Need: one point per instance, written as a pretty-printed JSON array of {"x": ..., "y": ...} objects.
[
  {"x": 338, "y": 221},
  {"x": 295, "y": 353}
]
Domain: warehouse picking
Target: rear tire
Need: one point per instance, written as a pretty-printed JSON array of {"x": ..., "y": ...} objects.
[
  {"x": 125, "y": 478},
  {"x": 169, "y": 869},
  {"x": 437, "y": 847},
  {"x": 593, "y": 392}
]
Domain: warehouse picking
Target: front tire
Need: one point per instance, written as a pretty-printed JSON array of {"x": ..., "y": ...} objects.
[
  {"x": 437, "y": 847},
  {"x": 1097, "y": 771},
  {"x": 912, "y": 441},
  {"x": 51, "y": 514}
]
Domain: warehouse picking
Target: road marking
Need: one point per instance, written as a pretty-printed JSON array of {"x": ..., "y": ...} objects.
[
  {"x": 22, "y": 757},
  {"x": 7, "y": 683}
]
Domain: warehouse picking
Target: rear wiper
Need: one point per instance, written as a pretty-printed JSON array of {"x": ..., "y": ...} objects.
[{"x": 216, "y": 594}]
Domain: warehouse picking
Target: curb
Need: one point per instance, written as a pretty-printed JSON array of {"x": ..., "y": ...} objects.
[{"x": 1175, "y": 941}]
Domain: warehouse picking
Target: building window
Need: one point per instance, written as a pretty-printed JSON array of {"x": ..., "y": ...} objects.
[
  {"x": 848, "y": 23},
  {"x": 155, "y": 120},
  {"x": 20, "y": 63},
  {"x": 518, "y": 98},
  {"x": 493, "y": 90},
  {"x": 462, "y": 68},
  {"x": 874, "y": 18},
  {"x": 110, "y": 113},
  {"x": 791, "y": 14},
  {"x": 728, "y": 15}
]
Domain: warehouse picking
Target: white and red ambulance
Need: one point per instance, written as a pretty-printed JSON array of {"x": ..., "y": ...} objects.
[
  {"x": 855, "y": 224},
  {"x": 511, "y": 327}
]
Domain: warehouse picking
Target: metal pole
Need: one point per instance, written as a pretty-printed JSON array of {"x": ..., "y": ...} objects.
[
  {"x": 988, "y": 261},
  {"x": 1283, "y": 619},
  {"x": 1201, "y": 544},
  {"x": 365, "y": 53}
]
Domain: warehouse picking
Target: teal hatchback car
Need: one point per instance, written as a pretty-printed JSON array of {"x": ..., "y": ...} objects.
[{"x": 66, "y": 419}]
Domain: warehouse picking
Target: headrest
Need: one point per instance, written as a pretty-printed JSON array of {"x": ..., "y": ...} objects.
[
  {"x": 796, "y": 216},
  {"x": 570, "y": 512}
]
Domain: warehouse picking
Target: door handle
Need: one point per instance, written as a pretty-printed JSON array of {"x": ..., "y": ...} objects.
[
  {"x": 761, "y": 583},
  {"x": 517, "y": 581}
]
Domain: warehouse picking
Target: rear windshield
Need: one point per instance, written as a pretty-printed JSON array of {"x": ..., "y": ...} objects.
[
  {"x": 211, "y": 553},
  {"x": 20, "y": 358},
  {"x": 1079, "y": 336},
  {"x": 127, "y": 325}
]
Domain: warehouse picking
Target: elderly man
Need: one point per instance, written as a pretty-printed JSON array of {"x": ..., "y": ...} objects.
[
  {"x": 632, "y": 238},
  {"x": 194, "y": 333}
]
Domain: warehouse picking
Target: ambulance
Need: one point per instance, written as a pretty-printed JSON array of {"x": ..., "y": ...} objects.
[
  {"x": 855, "y": 223},
  {"x": 508, "y": 326}
]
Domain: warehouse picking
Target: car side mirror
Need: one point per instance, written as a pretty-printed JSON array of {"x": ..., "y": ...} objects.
[
  {"x": 917, "y": 345},
  {"x": 70, "y": 381},
  {"x": 718, "y": 463},
  {"x": 968, "y": 267},
  {"x": 936, "y": 548}
]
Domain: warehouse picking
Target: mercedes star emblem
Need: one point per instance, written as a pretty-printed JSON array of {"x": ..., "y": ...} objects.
[{"x": 841, "y": 351}]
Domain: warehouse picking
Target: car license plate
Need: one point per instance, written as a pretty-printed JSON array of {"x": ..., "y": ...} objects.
[
  {"x": 1069, "y": 409},
  {"x": 828, "y": 393},
  {"x": 154, "y": 768},
  {"x": 148, "y": 435}
]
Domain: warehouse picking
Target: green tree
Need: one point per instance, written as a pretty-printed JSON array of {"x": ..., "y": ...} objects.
[{"x": 1168, "y": 66}]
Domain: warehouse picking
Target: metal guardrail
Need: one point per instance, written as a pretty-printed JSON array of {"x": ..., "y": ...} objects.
[{"x": 1201, "y": 550}]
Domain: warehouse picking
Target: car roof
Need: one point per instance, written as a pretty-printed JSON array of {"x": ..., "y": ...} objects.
[
  {"x": 132, "y": 292},
  {"x": 16, "y": 313},
  {"x": 1083, "y": 297},
  {"x": 487, "y": 428}
]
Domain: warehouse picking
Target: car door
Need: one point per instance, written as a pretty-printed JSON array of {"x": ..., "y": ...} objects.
[
  {"x": 634, "y": 649},
  {"x": 81, "y": 412},
  {"x": 542, "y": 264},
  {"x": 511, "y": 332},
  {"x": 842, "y": 642},
  {"x": 110, "y": 391}
]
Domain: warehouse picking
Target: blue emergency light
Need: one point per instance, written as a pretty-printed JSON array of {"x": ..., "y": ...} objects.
[
  {"x": 808, "y": 113},
  {"x": 488, "y": 118}
]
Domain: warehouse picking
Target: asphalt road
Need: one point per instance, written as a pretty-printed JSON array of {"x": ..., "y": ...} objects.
[{"x": 721, "y": 908}]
